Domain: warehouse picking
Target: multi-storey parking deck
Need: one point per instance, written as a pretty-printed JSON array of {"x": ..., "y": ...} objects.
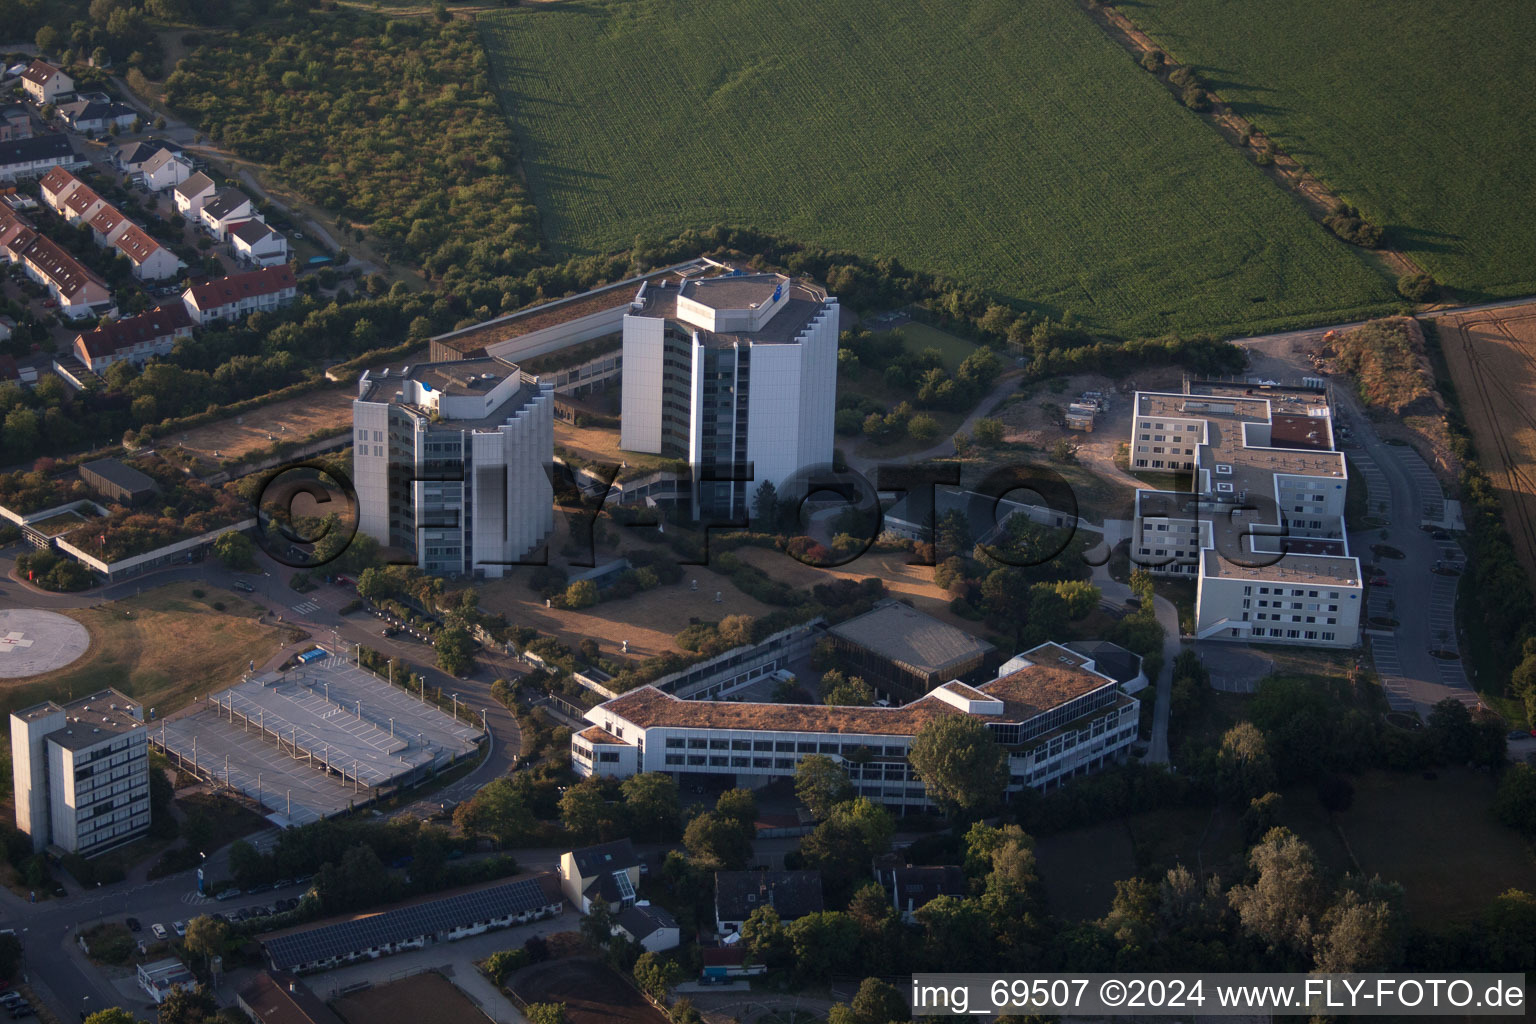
[{"x": 316, "y": 740}]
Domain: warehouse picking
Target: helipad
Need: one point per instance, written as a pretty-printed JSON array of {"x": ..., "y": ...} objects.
[{"x": 33, "y": 642}]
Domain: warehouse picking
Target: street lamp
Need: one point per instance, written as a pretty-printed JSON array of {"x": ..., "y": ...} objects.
[{"x": 455, "y": 707}]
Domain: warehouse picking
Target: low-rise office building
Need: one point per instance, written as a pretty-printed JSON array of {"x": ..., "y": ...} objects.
[
  {"x": 81, "y": 773},
  {"x": 904, "y": 654},
  {"x": 1053, "y": 712},
  {"x": 1261, "y": 529},
  {"x": 161, "y": 978}
]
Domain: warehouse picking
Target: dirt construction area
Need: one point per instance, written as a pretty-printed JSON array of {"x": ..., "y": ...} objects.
[
  {"x": 1492, "y": 359},
  {"x": 427, "y": 998},
  {"x": 592, "y": 993},
  {"x": 647, "y": 621},
  {"x": 288, "y": 420}
]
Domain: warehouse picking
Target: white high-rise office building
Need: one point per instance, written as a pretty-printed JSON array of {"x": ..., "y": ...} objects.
[
  {"x": 81, "y": 773},
  {"x": 730, "y": 370},
  {"x": 452, "y": 462}
]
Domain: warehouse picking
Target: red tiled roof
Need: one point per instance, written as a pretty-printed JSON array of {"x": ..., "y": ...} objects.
[
  {"x": 81, "y": 199},
  {"x": 60, "y": 267},
  {"x": 40, "y": 72},
  {"x": 57, "y": 180},
  {"x": 107, "y": 219},
  {"x": 162, "y": 322},
  {"x": 136, "y": 244},
  {"x": 223, "y": 291}
]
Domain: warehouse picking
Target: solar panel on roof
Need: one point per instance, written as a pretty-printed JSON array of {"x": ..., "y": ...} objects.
[{"x": 395, "y": 926}]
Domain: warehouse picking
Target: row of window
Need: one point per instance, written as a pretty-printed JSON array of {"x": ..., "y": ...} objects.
[
  {"x": 1333, "y": 595},
  {"x": 779, "y": 746}
]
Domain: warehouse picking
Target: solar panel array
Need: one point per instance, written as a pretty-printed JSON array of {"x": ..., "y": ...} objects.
[{"x": 406, "y": 923}]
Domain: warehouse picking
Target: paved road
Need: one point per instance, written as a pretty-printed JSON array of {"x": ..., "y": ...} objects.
[
  {"x": 1403, "y": 489},
  {"x": 54, "y": 960}
]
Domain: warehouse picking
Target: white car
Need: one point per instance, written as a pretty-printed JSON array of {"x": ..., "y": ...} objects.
[
  {"x": 158, "y": 929},
  {"x": 180, "y": 928}
]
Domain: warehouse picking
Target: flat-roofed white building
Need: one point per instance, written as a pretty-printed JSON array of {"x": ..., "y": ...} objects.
[
  {"x": 81, "y": 773},
  {"x": 725, "y": 369},
  {"x": 453, "y": 462},
  {"x": 1262, "y": 529},
  {"x": 1056, "y": 715}
]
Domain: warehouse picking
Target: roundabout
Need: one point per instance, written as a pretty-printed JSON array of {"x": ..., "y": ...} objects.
[{"x": 33, "y": 642}]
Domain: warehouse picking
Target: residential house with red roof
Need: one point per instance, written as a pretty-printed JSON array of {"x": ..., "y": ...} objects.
[
  {"x": 136, "y": 339},
  {"x": 45, "y": 83},
  {"x": 229, "y": 298},
  {"x": 108, "y": 225},
  {"x": 151, "y": 260},
  {"x": 78, "y": 291}
]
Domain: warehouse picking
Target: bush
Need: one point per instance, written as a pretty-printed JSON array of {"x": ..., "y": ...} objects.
[
  {"x": 1416, "y": 287},
  {"x": 1195, "y": 98}
]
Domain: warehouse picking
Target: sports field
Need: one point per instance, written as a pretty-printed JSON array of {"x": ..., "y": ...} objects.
[
  {"x": 1005, "y": 143},
  {"x": 1418, "y": 112}
]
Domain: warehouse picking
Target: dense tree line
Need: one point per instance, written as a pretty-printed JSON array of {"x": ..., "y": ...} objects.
[{"x": 392, "y": 124}]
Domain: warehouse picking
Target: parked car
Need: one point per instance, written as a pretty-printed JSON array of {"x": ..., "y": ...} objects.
[
  {"x": 1440, "y": 535},
  {"x": 228, "y": 894},
  {"x": 180, "y": 928},
  {"x": 241, "y": 585},
  {"x": 134, "y": 926},
  {"x": 1380, "y": 581},
  {"x": 159, "y": 930},
  {"x": 59, "y": 890}
]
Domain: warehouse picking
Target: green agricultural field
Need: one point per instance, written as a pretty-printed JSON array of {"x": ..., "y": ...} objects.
[
  {"x": 1418, "y": 112},
  {"x": 1006, "y": 143}
]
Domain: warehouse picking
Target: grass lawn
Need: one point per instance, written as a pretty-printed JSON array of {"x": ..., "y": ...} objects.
[
  {"x": 1438, "y": 839},
  {"x": 161, "y": 647},
  {"x": 1079, "y": 868},
  {"x": 916, "y": 337},
  {"x": 1415, "y": 111},
  {"x": 1005, "y": 143}
]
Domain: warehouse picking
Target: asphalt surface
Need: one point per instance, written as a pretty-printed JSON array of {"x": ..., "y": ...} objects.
[{"x": 55, "y": 964}]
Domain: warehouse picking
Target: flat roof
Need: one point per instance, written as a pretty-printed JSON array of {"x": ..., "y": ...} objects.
[
  {"x": 908, "y": 637},
  {"x": 119, "y": 474},
  {"x": 804, "y": 303},
  {"x": 733, "y": 291},
  {"x": 429, "y": 915},
  {"x": 95, "y": 718},
  {"x": 1025, "y": 694}
]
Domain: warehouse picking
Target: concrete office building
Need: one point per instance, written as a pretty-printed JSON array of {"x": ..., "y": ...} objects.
[
  {"x": 729, "y": 368},
  {"x": 1055, "y": 714},
  {"x": 452, "y": 462},
  {"x": 81, "y": 773},
  {"x": 1262, "y": 529}
]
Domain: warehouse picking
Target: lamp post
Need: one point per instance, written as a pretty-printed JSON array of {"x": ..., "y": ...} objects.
[{"x": 455, "y": 707}]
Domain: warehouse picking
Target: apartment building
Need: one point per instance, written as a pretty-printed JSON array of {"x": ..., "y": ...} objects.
[
  {"x": 725, "y": 369},
  {"x": 1056, "y": 715},
  {"x": 81, "y": 773},
  {"x": 36, "y": 156},
  {"x": 1261, "y": 530},
  {"x": 452, "y": 462}
]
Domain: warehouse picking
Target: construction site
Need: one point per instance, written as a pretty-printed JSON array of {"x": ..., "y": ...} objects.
[{"x": 316, "y": 740}]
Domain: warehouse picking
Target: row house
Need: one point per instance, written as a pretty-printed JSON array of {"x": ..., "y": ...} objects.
[
  {"x": 151, "y": 260},
  {"x": 34, "y": 157},
  {"x": 78, "y": 291},
  {"x": 136, "y": 339},
  {"x": 232, "y": 297}
]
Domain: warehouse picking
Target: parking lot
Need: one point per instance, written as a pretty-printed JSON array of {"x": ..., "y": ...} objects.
[{"x": 311, "y": 742}]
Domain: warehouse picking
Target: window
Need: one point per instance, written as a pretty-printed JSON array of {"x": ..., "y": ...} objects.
[
  {"x": 674, "y": 759},
  {"x": 608, "y": 756},
  {"x": 674, "y": 742}
]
